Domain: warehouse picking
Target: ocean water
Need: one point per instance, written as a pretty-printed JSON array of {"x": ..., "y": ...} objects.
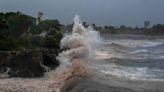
[
  {"x": 132, "y": 57},
  {"x": 123, "y": 61}
]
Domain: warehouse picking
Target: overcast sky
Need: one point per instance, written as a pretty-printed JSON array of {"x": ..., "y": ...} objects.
[{"x": 100, "y": 12}]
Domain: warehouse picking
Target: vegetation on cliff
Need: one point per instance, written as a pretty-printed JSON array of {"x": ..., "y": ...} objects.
[
  {"x": 19, "y": 32},
  {"x": 27, "y": 48}
]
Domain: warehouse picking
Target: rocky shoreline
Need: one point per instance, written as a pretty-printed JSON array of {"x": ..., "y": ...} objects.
[
  {"x": 27, "y": 63},
  {"x": 112, "y": 84}
]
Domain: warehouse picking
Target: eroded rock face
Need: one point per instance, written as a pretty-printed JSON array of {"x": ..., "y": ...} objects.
[
  {"x": 22, "y": 63},
  {"x": 49, "y": 58},
  {"x": 28, "y": 63}
]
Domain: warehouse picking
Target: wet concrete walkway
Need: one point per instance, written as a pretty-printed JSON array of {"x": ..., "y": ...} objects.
[{"x": 89, "y": 85}]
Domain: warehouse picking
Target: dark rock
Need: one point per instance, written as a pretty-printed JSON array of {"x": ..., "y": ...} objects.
[
  {"x": 22, "y": 63},
  {"x": 28, "y": 63},
  {"x": 49, "y": 59},
  {"x": 84, "y": 85}
]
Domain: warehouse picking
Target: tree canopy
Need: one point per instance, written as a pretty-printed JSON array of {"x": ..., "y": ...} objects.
[{"x": 19, "y": 31}]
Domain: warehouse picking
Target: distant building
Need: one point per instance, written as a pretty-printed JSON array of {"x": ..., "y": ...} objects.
[
  {"x": 39, "y": 17},
  {"x": 19, "y": 13},
  {"x": 146, "y": 24}
]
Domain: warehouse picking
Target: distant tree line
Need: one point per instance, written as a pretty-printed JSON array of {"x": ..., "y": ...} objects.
[{"x": 157, "y": 29}]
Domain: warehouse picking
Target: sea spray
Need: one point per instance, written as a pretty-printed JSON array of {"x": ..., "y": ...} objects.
[
  {"x": 80, "y": 44},
  {"x": 80, "y": 47}
]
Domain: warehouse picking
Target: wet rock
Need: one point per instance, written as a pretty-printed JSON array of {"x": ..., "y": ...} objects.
[
  {"x": 85, "y": 85},
  {"x": 78, "y": 84},
  {"x": 49, "y": 58},
  {"x": 21, "y": 63},
  {"x": 28, "y": 63}
]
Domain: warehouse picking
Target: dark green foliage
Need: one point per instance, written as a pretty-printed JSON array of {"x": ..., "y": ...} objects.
[
  {"x": 158, "y": 27},
  {"x": 35, "y": 30},
  {"x": 45, "y": 25},
  {"x": 53, "y": 40},
  {"x": 3, "y": 24},
  {"x": 48, "y": 24},
  {"x": 7, "y": 43},
  {"x": 19, "y": 31},
  {"x": 18, "y": 23},
  {"x": 25, "y": 42},
  {"x": 14, "y": 26}
]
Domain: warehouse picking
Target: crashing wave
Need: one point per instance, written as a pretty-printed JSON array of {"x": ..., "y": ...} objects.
[{"x": 81, "y": 42}]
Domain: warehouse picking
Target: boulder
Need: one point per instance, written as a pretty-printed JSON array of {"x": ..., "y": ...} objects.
[
  {"x": 49, "y": 58},
  {"x": 22, "y": 63}
]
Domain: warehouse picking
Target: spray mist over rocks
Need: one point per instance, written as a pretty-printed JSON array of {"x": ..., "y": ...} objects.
[{"x": 80, "y": 44}]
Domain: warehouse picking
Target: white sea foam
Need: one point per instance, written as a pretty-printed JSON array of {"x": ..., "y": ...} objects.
[
  {"x": 128, "y": 72},
  {"x": 80, "y": 44}
]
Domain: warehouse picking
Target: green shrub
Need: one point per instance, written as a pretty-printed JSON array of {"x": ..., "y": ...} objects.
[
  {"x": 53, "y": 41},
  {"x": 16, "y": 30}
]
